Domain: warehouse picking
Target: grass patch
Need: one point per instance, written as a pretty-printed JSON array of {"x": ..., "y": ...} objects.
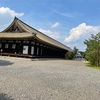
[{"x": 92, "y": 66}]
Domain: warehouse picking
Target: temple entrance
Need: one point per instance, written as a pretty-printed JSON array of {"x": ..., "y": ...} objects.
[
  {"x": 25, "y": 49},
  {"x": 32, "y": 50}
]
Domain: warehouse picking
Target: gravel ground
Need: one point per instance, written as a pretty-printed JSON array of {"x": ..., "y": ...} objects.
[{"x": 23, "y": 79}]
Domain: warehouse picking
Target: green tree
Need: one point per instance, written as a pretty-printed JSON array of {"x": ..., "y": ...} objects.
[
  {"x": 93, "y": 49},
  {"x": 69, "y": 55},
  {"x": 75, "y": 50}
]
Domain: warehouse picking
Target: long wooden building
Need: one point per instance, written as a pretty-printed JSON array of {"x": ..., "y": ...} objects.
[{"x": 19, "y": 39}]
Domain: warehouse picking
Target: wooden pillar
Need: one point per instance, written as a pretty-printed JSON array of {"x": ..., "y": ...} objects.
[
  {"x": 43, "y": 51},
  {"x": 35, "y": 49},
  {"x": 39, "y": 49},
  {"x": 29, "y": 48}
]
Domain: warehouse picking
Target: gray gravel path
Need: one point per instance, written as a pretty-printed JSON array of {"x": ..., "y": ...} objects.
[{"x": 23, "y": 79}]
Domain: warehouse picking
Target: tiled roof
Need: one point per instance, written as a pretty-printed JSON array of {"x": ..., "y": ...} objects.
[{"x": 25, "y": 31}]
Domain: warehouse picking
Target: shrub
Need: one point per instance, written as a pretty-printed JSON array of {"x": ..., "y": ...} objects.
[{"x": 69, "y": 55}]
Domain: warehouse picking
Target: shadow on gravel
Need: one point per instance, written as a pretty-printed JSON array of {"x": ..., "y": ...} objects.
[
  {"x": 5, "y": 63},
  {"x": 5, "y": 97}
]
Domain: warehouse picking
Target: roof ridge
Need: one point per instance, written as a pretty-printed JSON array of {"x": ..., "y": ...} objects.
[
  {"x": 43, "y": 34},
  {"x": 40, "y": 35}
]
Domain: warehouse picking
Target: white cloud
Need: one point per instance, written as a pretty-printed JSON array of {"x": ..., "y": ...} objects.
[
  {"x": 81, "y": 32},
  {"x": 66, "y": 14},
  {"x": 54, "y": 35},
  {"x": 6, "y": 16},
  {"x": 55, "y": 25},
  {"x": 7, "y": 11}
]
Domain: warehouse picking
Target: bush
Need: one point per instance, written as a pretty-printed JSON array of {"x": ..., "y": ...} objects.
[{"x": 69, "y": 55}]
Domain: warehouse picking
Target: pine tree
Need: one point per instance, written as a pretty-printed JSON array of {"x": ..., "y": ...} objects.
[{"x": 93, "y": 49}]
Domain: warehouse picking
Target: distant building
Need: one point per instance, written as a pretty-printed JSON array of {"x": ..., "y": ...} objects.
[
  {"x": 78, "y": 56},
  {"x": 19, "y": 39}
]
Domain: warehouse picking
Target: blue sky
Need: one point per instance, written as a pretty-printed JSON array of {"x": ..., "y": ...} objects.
[{"x": 68, "y": 21}]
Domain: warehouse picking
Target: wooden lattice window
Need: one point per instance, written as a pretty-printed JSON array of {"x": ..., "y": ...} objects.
[
  {"x": 6, "y": 45},
  {"x": 13, "y": 46}
]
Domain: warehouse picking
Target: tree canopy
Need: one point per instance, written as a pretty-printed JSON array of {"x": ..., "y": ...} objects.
[
  {"x": 75, "y": 50},
  {"x": 93, "y": 49}
]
